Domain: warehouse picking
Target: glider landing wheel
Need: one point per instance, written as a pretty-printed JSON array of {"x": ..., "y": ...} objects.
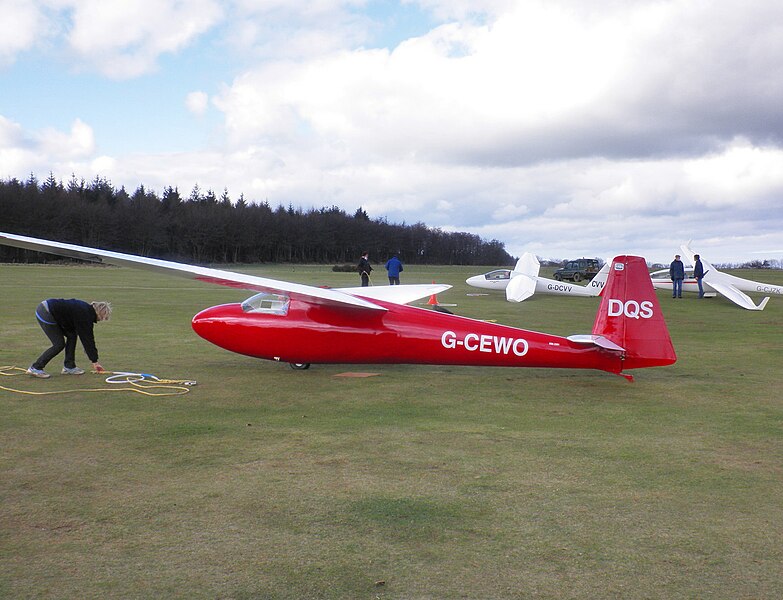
[{"x": 299, "y": 366}]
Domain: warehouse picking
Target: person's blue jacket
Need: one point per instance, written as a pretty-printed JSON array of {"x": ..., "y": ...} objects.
[
  {"x": 676, "y": 270},
  {"x": 698, "y": 269},
  {"x": 394, "y": 266}
]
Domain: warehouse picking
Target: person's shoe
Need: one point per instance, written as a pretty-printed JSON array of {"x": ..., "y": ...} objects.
[
  {"x": 73, "y": 371},
  {"x": 38, "y": 373}
]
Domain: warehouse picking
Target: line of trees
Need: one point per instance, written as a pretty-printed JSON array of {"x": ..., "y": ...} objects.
[{"x": 205, "y": 228}]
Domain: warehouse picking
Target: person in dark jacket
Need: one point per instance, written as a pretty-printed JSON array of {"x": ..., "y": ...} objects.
[
  {"x": 364, "y": 269},
  {"x": 394, "y": 266},
  {"x": 63, "y": 321},
  {"x": 698, "y": 273},
  {"x": 676, "y": 274}
]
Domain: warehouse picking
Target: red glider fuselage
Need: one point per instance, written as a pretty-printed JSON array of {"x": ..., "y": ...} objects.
[
  {"x": 629, "y": 332},
  {"x": 311, "y": 333}
]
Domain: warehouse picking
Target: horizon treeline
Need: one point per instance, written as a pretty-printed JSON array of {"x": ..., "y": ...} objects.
[{"x": 205, "y": 228}]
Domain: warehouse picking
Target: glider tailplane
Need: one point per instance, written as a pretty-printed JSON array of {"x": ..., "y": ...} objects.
[
  {"x": 630, "y": 316},
  {"x": 527, "y": 265}
]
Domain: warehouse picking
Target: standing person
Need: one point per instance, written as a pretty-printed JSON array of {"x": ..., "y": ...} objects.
[
  {"x": 676, "y": 274},
  {"x": 364, "y": 269},
  {"x": 394, "y": 267},
  {"x": 63, "y": 321},
  {"x": 698, "y": 273}
]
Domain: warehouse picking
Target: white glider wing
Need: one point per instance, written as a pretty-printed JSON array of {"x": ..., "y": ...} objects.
[
  {"x": 731, "y": 292},
  {"x": 728, "y": 285},
  {"x": 347, "y": 297},
  {"x": 397, "y": 294}
]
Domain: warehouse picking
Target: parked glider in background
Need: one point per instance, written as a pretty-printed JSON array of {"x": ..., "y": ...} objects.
[
  {"x": 730, "y": 286},
  {"x": 523, "y": 281},
  {"x": 662, "y": 281},
  {"x": 302, "y": 324}
]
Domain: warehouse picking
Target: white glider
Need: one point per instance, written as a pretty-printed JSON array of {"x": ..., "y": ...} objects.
[
  {"x": 523, "y": 281},
  {"x": 730, "y": 286}
]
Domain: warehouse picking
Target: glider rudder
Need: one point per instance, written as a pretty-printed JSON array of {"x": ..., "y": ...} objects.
[{"x": 631, "y": 317}]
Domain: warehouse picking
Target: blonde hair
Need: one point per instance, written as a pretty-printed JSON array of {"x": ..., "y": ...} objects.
[{"x": 102, "y": 309}]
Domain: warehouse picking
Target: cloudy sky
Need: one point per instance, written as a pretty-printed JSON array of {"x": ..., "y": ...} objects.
[{"x": 563, "y": 127}]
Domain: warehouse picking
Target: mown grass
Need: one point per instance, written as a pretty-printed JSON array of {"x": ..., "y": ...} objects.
[{"x": 421, "y": 482}]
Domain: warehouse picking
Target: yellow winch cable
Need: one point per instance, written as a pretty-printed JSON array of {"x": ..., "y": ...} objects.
[{"x": 139, "y": 383}]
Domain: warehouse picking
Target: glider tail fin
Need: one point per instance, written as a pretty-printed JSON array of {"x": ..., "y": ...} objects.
[
  {"x": 598, "y": 283},
  {"x": 630, "y": 316}
]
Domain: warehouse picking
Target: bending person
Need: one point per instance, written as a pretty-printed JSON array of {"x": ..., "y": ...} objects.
[{"x": 63, "y": 321}]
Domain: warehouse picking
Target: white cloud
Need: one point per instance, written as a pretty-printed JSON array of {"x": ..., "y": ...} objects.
[
  {"x": 506, "y": 212},
  {"x": 119, "y": 39},
  {"x": 21, "y": 26},
  {"x": 296, "y": 28},
  {"x": 124, "y": 39},
  {"x": 11, "y": 133},
  {"x": 465, "y": 9},
  {"x": 103, "y": 165},
  {"x": 742, "y": 173},
  {"x": 22, "y": 153},
  {"x": 15, "y": 155},
  {"x": 77, "y": 144},
  {"x": 197, "y": 103},
  {"x": 550, "y": 115},
  {"x": 540, "y": 82}
]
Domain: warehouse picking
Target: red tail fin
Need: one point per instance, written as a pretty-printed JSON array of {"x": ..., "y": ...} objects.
[{"x": 631, "y": 316}]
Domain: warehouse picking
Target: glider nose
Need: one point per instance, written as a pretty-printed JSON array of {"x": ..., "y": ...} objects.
[
  {"x": 475, "y": 281},
  {"x": 212, "y": 323}
]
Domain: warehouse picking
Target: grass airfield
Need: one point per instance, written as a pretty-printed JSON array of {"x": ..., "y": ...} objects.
[{"x": 419, "y": 483}]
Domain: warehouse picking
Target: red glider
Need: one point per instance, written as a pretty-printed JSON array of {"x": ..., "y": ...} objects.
[{"x": 301, "y": 324}]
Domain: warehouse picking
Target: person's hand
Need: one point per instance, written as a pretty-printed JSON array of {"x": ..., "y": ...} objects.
[{"x": 98, "y": 368}]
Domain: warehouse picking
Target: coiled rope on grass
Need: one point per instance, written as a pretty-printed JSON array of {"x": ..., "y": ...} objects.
[{"x": 140, "y": 383}]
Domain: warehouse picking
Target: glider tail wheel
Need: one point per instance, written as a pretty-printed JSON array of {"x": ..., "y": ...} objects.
[{"x": 299, "y": 366}]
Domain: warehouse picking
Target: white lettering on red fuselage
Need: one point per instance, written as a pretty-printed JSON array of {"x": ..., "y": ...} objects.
[
  {"x": 473, "y": 342},
  {"x": 630, "y": 308}
]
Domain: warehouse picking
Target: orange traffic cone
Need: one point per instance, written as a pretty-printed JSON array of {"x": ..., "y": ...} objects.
[{"x": 433, "y": 301}]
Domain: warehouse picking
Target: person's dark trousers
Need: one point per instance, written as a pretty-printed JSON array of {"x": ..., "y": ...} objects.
[{"x": 58, "y": 339}]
